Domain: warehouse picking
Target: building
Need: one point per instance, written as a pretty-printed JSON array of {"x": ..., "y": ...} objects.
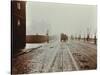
[{"x": 18, "y": 25}]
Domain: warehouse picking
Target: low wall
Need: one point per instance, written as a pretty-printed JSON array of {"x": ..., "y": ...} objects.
[{"x": 36, "y": 38}]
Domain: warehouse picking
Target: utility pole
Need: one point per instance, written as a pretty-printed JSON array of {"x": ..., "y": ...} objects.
[{"x": 47, "y": 36}]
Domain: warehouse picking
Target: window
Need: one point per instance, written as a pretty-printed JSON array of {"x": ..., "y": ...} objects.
[
  {"x": 18, "y": 6},
  {"x": 18, "y": 22}
]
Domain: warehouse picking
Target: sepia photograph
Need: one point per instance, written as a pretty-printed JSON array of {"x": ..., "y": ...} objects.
[{"x": 52, "y": 37}]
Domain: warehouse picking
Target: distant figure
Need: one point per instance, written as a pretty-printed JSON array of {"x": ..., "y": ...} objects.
[
  {"x": 64, "y": 37},
  {"x": 88, "y": 37},
  {"x": 72, "y": 37},
  {"x": 95, "y": 40},
  {"x": 84, "y": 39},
  {"x": 79, "y": 38}
]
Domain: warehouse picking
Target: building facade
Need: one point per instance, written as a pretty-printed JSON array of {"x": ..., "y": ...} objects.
[{"x": 18, "y": 25}]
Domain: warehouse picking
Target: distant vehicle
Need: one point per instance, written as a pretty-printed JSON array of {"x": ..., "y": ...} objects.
[{"x": 64, "y": 37}]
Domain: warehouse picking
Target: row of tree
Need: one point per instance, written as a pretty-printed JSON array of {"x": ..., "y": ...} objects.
[{"x": 87, "y": 38}]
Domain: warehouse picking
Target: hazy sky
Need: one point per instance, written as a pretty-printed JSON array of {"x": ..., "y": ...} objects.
[{"x": 60, "y": 18}]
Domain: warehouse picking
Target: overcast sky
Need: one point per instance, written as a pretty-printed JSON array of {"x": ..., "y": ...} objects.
[{"x": 60, "y": 18}]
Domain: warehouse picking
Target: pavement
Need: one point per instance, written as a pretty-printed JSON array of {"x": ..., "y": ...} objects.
[
  {"x": 56, "y": 57},
  {"x": 29, "y": 48}
]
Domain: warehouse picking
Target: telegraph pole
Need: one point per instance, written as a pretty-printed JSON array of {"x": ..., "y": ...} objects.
[{"x": 47, "y": 36}]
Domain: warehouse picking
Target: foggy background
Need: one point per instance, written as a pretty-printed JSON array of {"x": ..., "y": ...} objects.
[{"x": 57, "y": 18}]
